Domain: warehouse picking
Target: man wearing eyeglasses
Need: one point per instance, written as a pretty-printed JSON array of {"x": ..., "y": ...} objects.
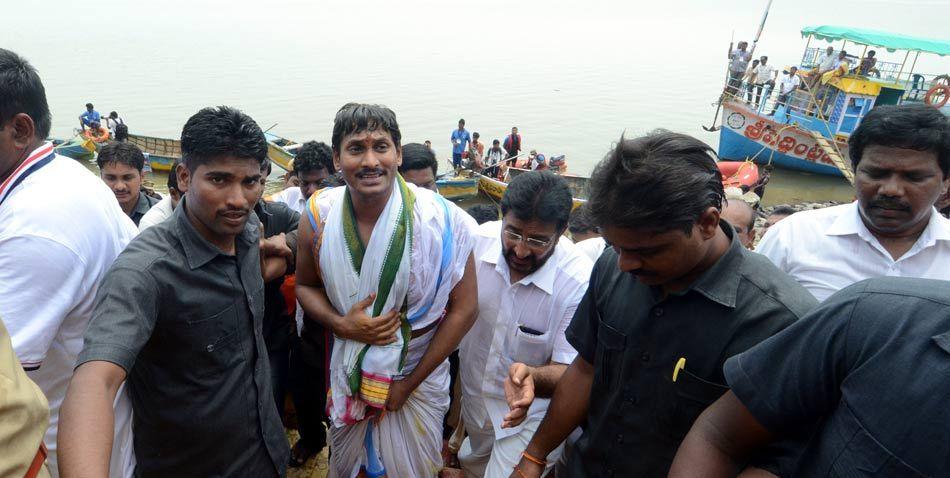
[{"x": 530, "y": 281}]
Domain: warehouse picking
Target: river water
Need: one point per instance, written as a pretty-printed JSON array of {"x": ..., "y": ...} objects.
[{"x": 573, "y": 76}]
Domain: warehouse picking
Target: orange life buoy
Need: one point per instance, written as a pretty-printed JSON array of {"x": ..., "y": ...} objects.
[
  {"x": 933, "y": 93},
  {"x": 100, "y": 135}
]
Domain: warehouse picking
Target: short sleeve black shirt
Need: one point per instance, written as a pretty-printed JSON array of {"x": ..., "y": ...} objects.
[
  {"x": 184, "y": 321},
  {"x": 872, "y": 362},
  {"x": 633, "y": 337},
  {"x": 278, "y": 325}
]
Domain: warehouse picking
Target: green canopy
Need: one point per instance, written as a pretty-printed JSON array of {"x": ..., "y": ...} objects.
[{"x": 890, "y": 41}]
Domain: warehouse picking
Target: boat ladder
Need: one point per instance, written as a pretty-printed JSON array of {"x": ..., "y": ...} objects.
[{"x": 834, "y": 154}]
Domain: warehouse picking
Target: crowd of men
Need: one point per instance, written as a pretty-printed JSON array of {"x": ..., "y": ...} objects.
[{"x": 649, "y": 342}]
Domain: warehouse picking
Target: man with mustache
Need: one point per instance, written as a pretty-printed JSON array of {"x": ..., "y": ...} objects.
[
  {"x": 901, "y": 158},
  {"x": 674, "y": 297},
  {"x": 530, "y": 280},
  {"x": 387, "y": 267},
  {"x": 120, "y": 167},
  {"x": 179, "y": 318}
]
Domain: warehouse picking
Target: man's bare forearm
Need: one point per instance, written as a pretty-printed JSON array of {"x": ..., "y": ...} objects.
[
  {"x": 567, "y": 409},
  {"x": 86, "y": 421},
  {"x": 546, "y": 378}
]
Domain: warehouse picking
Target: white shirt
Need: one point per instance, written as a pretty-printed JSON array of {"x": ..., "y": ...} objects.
[
  {"x": 158, "y": 213},
  {"x": 764, "y": 73},
  {"x": 826, "y": 250},
  {"x": 827, "y": 62},
  {"x": 60, "y": 231},
  {"x": 789, "y": 83},
  {"x": 293, "y": 198},
  {"x": 544, "y": 301},
  {"x": 592, "y": 248}
]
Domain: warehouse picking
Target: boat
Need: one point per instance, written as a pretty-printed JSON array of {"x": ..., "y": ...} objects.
[
  {"x": 457, "y": 187},
  {"x": 495, "y": 188},
  {"x": 78, "y": 148},
  {"x": 281, "y": 151},
  {"x": 743, "y": 175},
  {"x": 162, "y": 152},
  {"x": 811, "y": 132}
]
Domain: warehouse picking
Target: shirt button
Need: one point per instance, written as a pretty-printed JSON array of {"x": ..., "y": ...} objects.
[
  {"x": 620, "y": 439},
  {"x": 658, "y": 312},
  {"x": 210, "y": 348},
  {"x": 645, "y": 357}
]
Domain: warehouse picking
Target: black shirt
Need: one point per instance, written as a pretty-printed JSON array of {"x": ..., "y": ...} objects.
[
  {"x": 279, "y": 325},
  {"x": 184, "y": 321},
  {"x": 142, "y": 206},
  {"x": 874, "y": 361},
  {"x": 637, "y": 415}
]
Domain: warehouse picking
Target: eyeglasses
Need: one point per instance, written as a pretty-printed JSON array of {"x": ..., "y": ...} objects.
[{"x": 529, "y": 241}]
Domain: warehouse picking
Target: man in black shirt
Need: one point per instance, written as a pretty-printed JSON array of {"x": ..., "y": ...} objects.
[
  {"x": 178, "y": 317},
  {"x": 672, "y": 300},
  {"x": 870, "y": 363}
]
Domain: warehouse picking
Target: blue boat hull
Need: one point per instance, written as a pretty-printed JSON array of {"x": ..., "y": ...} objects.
[{"x": 745, "y": 134}]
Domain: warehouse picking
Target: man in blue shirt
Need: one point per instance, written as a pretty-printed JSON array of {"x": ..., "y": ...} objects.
[
  {"x": 89, "y": 117},
  {"x": 460, "y": 140}
]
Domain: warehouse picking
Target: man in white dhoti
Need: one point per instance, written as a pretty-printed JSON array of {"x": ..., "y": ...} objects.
[{"x": 379, "y": 262}]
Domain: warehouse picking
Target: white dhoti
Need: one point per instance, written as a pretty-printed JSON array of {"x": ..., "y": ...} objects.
[{"x": 415, "y": 256}]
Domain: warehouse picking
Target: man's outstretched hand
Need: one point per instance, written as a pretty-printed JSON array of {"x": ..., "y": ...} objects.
[{"x": 519, "y": 392}]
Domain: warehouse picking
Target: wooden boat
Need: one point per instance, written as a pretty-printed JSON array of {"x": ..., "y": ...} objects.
[
  {"x": 457, "y": 188},
  {"x": 162, "y": 152},
  {"x": 78, "y": 148},
  {"x": 495, "y": 188},
  {"x": 734, "y": 174},
  {"x": 281, "y": 151}
]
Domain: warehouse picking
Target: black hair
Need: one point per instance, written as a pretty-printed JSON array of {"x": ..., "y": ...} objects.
[
  {"x": 872, "y": 53},
  {"x": 662, "y": 181},
  {"x": 495, "y": 141},
  {"x": 173, "y": 176},
  {"x": 313, "y": 156},
  {"x": 22, "y": 91},
  {"x": 417, "y": 156},
  {"x": 89, "y": 105},
  {"x": 358, "y": 117},
  {"x": 462, "y": 120},
  {"x": 121, "y": 132},
  {"x": 782, "y": 211},
  {"x": 540, "y": 195},
  {"x": 220, "y": 131},
  {"x": 915, "y": 126},
  {"x": 483, "y": 213},
  {"x": 268, "y": 168},
  {"x": 476, "y": 135},
  {"x": 113, "y": 114},
  {"x": 121, "y": 153},
  {"x": 581, "y": 221}
]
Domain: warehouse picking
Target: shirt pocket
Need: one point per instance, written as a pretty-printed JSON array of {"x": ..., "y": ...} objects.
[
  {"x": 862, "y": 456},
  {"x": 530, "y": 349},
  {"x": 693, "y": 395},
  {"x": 214, "y": 342},
  {"x": 608, "y": 358}
]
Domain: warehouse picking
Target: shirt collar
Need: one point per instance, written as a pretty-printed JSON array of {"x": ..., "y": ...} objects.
[
  {"x": 198, "y": 251},
  {"x": 849, "y": 223},
  {"x": 142, "y": 206},
  {"x": 543, "y": 278},
  {"x": 720, "y": 283}
]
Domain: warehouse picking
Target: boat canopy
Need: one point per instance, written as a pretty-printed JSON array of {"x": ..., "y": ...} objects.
[{"x": 890, "y": 41}]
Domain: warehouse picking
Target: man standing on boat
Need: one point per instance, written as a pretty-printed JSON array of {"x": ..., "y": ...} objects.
[
  {"x": 60, "y": 230},
  {"x": 496, "y": 154},
  {"x": 512, "y": 143},
  {"x": 765, "y": 75},
  {"x": 530, "y": 280},
  {"x": 738, "y": 61},
  {"x": 901, "y": 159},
  {"x": 179, "y": 318},
  {"x": 460, "y": 141},
  {"x": 360, "y": 248},
  {"x": 672, "y": 261},
  {"x": 790, "y": 83},
  {"x": 88, "y": 117},
  {"x": 120, "y": 167}
]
